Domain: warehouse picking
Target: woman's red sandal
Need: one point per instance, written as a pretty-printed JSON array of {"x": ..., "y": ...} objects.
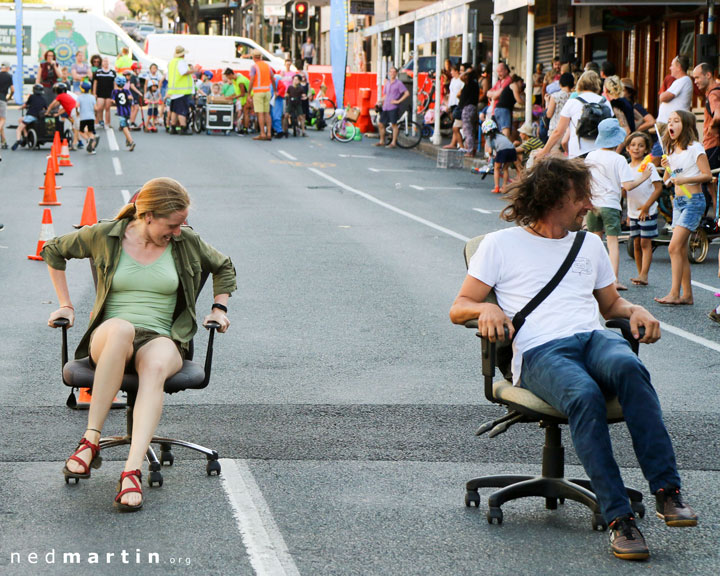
[
  {"x": 95, "y": 462},
  {"x": 136, "y": 488}
]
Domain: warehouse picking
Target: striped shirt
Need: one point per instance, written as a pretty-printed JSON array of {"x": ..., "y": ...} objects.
[
  {"x": 531, "y": 144},
  {"x": 123, "y": 102}
]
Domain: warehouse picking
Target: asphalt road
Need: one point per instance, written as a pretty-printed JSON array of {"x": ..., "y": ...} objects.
[{"x": 343, "y": 402}]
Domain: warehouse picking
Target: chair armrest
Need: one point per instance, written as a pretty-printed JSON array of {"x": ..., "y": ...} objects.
[
  {"x": 211, "y": 326},
  {"x": 623, "y": 324},
  {"x": 63, "y": 323},
  {"x": 488, "y": 359}
]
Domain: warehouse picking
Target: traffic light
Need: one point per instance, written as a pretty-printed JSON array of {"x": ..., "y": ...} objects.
[{"x": 301, "y": 19}]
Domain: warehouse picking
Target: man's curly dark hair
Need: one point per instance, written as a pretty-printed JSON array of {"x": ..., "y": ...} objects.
[{"x": 544, "y": 187}]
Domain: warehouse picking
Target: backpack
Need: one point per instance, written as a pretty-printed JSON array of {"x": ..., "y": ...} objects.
[{"x": 592, "y": 114}]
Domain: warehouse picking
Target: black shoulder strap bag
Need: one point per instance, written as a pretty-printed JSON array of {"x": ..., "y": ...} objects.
[{"x": 519, "y": 318}]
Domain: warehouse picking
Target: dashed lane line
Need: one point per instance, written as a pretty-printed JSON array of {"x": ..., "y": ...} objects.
[
  {"x": 668, "y": 327},
  {"x": 117, "y": 166},
  {"x": 112, "y": 141},
  {"x": 288, "y": 156},
  {"x": 264, "y": 544},
  {"x": 126, "y": 196}
]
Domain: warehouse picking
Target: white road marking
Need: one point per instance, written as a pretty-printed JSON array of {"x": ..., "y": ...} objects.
[
  {"x": 117, "y": 166},
  {"x": 482, "y": 211},
  {"x": 434, "y": 187},
  {"x": 668, "y": 327},
  {"x": 389, "y": 206},
  {"x": 126, "y": 196},
  {"x": 112, "y": 142},
  {"x": 704, "y": 286},
  {"x": 288, "y": 156},
  {"x": 388, "y": 170},
  {"x": 355, "y": 156},
  {"x": 264, "y": 544},
  {"x": 690, "y": 336}
]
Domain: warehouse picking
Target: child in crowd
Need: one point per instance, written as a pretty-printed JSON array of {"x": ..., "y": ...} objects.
[
  {"x": 123, "y": 102},
  {"x": 205, "y": 86},
  {"x": 152, "y": 97},
  {"x": 86, "y": 116},
  {"x": 503, "y": 152},
  {"x": 66, "y": 104},
  {"x": 133, "y": 84},
  {"x": 642, "y": 209},
  {"x": 686, "y": 167},
  {"x": 610, "y": 175},
  {"x": 34, "y": 112},
  {"x": 529, "y": 143}
]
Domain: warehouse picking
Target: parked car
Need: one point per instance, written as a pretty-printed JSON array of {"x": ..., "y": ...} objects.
[
  {"x": 128, "y": 26},
  {"x": 143, "y": 30}
]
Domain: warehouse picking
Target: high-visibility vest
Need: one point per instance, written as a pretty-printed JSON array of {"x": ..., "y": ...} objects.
[
  {"x": 123, "y": 63},
  {"x": 263, "y": 77},
  {"x": 177, "y": 83}
]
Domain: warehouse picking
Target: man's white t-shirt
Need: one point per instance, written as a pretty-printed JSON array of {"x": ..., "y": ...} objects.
[
  {"x": 685, "y": 162},
  {"x": 573, "y": 109},
  {"x": 608, "y": 170},
  {"x": 455, "y": 86},
  {"x": 518, "y": 264},
  {"x": 683, "y": 90},
  {"x": 637, "y": 197}
]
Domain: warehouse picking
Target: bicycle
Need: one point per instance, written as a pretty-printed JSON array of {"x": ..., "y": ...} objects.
[
  {"x": 343, "y": 129},
  {"x": 409, "y": 132}
]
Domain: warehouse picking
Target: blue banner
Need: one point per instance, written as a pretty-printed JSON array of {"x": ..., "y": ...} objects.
[
  {"x": 339, "y": 47},
  {"x": 18, "y": 74}
]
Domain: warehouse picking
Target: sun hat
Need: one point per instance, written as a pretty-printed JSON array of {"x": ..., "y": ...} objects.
[
  {"x": 610, "y": 134},
  {"x": 526, "y": 129},
  {"x": 179, "y": 51}
]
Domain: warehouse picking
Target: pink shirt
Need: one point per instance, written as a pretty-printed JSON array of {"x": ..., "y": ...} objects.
[{"x": 499, "y": 85}]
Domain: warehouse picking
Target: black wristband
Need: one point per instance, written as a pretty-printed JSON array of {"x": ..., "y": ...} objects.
[{"x": 219, "y": 307}]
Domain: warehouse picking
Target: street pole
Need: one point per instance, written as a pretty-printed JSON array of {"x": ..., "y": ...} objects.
[
  {"x": 465, "y": 35},
  {"x": 530, "y": 57},
  {"x": 496, "y": 19},
  {"x": 711, "y": 16},
  {"x": 415, "y": 71},
  {"x": 437, "y": 137},
  {"x": 19, "y": 76}
]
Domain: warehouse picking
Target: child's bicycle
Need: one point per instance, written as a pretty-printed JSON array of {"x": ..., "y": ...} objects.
[{"x": 343, "y": 129}]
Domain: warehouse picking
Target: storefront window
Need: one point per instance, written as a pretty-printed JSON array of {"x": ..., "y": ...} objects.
[
  {"x": 686, "y": 39},
  {"x": 600, "y": 49}
]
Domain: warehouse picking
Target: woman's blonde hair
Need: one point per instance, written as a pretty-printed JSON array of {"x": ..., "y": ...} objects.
[
  {"x": 613, "y": 86},
  {"x": 160, "y": 196},
  {"x": 589, "y": 82}
]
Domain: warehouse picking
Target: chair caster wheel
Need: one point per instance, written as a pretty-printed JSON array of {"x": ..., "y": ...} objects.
[
  {"x": 155, "y": 478},
  {"x": 213, "y": 466},
  {"x": 598, "y": 523},
  {"x": 472, "y": 497},
  {"x": 494, "y": 514},
  {"x": 638, "y": 509},
  {"x": 551, "y": 503},
  {"x": 561, "y": 501},
  {"x": 167, "y": 458}
]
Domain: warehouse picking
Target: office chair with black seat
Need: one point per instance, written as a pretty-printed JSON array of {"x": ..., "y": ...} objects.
[
  {"x": 192, "y": 376},
  {"x": 525, "y": 407}
]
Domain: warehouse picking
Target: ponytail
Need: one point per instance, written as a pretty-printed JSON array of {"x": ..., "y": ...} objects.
[{"x": 128, "y": 211}]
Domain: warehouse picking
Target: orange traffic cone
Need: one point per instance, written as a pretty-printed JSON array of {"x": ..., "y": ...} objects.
[
  {"x": 85, "y": 396},
  {"x": 55, "y": 166},
  {"x": 47, "y": 231},
  {"x": 56, "y": 144},
  {"x": 65, "y": 154},
  {"x": 49, "y": 198},
  {"x": 89, "y": 214}
]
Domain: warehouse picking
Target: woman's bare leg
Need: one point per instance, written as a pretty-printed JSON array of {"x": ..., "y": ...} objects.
[
  {"x": 680, "y": 266},
  {"x": 111, "y": 349},
  {"x": 155, "y": 362}
]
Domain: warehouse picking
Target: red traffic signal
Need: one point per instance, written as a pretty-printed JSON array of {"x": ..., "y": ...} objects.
[{"x": 301, "y": 21}]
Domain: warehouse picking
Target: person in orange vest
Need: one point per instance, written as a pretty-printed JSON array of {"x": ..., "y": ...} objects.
[{"x": 261, "y": 79}]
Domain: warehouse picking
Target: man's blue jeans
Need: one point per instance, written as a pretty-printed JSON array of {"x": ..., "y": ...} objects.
[{"x": 575, "y": 375}]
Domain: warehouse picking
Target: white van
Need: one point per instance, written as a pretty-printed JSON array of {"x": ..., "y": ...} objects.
[
  {"x": 210, "y": 52},
  {"x": 65, "y": 32}
]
